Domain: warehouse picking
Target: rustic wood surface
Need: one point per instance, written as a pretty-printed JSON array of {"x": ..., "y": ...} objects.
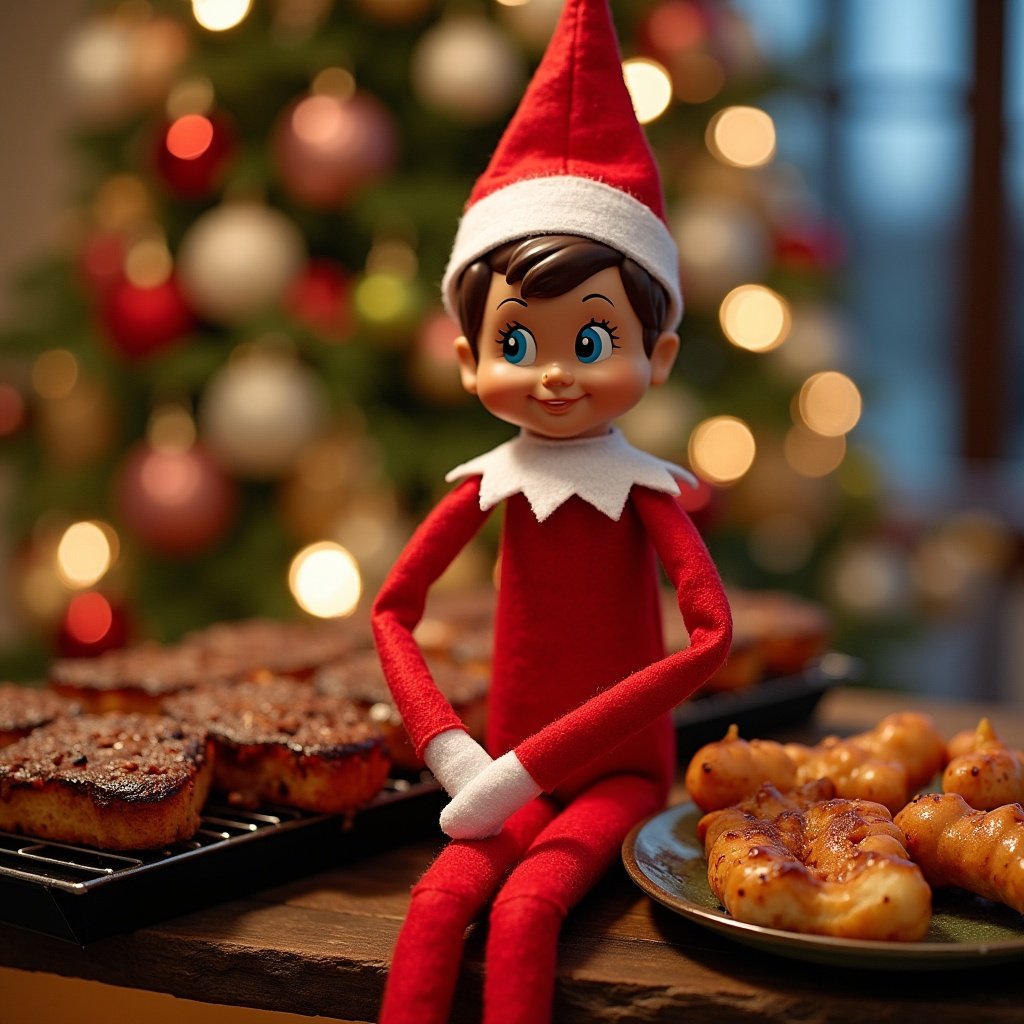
[{"x": 321, "y": 945}]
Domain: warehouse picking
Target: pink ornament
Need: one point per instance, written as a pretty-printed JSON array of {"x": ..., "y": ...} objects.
[
  {"x": 176, "y": 502},
  {"x": 327, "y": 147},
  {"x": 140, "y": 321}
]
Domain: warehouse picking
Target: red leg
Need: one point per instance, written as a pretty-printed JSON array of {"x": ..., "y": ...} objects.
[
  {"x": 561, "y": 866},
  {"x": 465, "y": 875}
]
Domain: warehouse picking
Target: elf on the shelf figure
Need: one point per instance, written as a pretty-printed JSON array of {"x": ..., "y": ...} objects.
[{"x": 564, "y": 277}]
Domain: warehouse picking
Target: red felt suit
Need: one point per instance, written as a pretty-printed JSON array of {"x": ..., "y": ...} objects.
[{"x": 581, "y": 690}]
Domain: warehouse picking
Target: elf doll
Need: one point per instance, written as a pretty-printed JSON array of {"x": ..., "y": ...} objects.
[{"x": 564, "y": 278}]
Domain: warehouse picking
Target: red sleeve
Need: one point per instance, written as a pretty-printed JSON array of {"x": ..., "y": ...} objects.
[
  {"x": 639, "y": 699},
  {"x": 399, "y": 607}
]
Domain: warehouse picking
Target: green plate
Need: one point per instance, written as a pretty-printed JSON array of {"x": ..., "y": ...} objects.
[{"x": 665, "y": 858}]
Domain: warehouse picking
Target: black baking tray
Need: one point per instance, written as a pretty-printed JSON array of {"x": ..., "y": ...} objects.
[
  {"x": 81, "y": 894},
  {"x": 765, "y": 707}
]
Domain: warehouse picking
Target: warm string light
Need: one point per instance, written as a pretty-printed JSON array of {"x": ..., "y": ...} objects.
[
  {"x": 325, "y": 580},
  {"x": 722, "y": 449},
  {"x": 829, "y": 403},
  {"x": 189, "y": 136},
  {"x": 650, "y": 88},
  {"x": 337, "y": 82},
  {"x": 148, "y": 263},
  {"x": 220, "y": 15},
  {"x": 755, "y": 318},
  {"x": 85, "y": 554},
  {"x": 190, "y": 96},
  {"x": 171, "y": 430},
  {"x": 741, "y": 136}
]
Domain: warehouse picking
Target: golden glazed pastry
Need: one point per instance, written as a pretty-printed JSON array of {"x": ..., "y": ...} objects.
[
  {"x": 805, "y": 862},
  {"x": 956, "y": 845},
  {"x": 983, "y": 770},
  {"x": 887, "y": 764},
  {"x": 118, "y": 782},
  {"x": 277, "y": 741}
]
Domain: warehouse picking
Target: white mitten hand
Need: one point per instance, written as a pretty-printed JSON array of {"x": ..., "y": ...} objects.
[
  {"x": 455, "y": 759},
  {"x": 482, "y": 807}
]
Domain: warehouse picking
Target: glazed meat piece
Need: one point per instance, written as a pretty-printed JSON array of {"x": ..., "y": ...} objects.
[
  {"x": 956, "y": 845},
  {"x": 806, "y": 862}
]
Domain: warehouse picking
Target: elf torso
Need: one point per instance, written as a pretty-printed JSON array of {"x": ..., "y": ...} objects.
[
  {"x": 581, "y": 687},
  {"x": 578, "y": 611}
]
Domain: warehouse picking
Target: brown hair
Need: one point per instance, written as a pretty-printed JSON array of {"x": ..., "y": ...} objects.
[{"x": 551, "y": 265}]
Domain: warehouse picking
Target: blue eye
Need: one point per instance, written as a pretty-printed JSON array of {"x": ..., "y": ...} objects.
[
  {"x": 518, "y": 346},
  {"x": 594, "y": 343}
]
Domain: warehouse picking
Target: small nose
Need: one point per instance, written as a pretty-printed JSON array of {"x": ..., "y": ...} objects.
[{"x": 556, "y": 376}]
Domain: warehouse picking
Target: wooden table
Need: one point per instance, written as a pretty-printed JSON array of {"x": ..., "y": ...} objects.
[{"x": 321, "y": 945}]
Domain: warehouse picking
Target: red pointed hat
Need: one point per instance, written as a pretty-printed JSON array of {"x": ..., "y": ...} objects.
[{"x": 573, "y": 160}]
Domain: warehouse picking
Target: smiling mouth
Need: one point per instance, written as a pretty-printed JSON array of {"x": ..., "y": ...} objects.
[{"x": 556, "y": 406}]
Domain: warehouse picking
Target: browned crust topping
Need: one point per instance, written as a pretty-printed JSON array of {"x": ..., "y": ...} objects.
[
  {"x": 25, "y": 707},
  {"x": 150, "y": 667},
  {"x": 279, "y": 712},
  {"x": 360, "y": 678},
  {"x": 248, "y": 645},
  {"x": 129, "y": 758}
]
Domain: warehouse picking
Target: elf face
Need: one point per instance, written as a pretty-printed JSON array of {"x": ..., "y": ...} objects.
[{"x": 565, "y": 366}]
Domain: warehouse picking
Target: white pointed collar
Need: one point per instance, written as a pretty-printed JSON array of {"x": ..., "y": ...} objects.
[{"x": 600, "y": 470}]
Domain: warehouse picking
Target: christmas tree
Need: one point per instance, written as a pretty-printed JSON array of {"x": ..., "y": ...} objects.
[{"x": 233, "y": 392}]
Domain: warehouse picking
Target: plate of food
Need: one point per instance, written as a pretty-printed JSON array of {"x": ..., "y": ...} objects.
[
  {"x": 826, "y": 854},
  {"x": 665, "y": 858}
]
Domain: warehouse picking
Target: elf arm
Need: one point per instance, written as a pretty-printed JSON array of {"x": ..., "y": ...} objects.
[
  {"x": 437, "y": 733},
  {"x": 552, "y": 753}
]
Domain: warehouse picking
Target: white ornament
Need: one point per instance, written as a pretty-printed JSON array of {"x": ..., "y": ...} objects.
[
  {"x": 238, "y": 260},
  {"x": 467, "y": 67},
  {"x": 259, "y": 412}
]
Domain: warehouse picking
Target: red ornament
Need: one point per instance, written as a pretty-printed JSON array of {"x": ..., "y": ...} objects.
[
  {"x": 672, "y": 28},
  {"x": 175, "y": 502},
  {"x": 91, "y": 625},
  {"x": 319, "y": 298},
  {"x": 814, "y": 247},
  {"x": 193, "y": 153},
  {"x": 101, "y": 261},
  {"x": 140, "y": 321},
  {"x": 327, "y": 147}
]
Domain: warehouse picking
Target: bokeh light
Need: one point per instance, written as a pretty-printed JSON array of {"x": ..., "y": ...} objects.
[
  {"x": 189, "y": 136},
  {"x": 696, "y": 77},
  {"x": 12, "y": 409},
  {"x": 325, "y": 581},
  {"x": 755, "y": 318},
  {"x": 337, "y": 82},
  {"x": 89, "y": 618},
  {"x": 55, "y": 373},
  {"x": 220, "y": 15},
  {"x": 650, "y": 88},
  {"x": 829, "y": 403},
  {"x": 190, "y": 96},
  {"x": 148, "y": 263},
  {"x": 85, "y": 554},
  {"x": 722, "y": 449},
  {"x": 742, "y": 136},
  {"x": 171, "y": 429},
  {"x": 813, "y": 454}
]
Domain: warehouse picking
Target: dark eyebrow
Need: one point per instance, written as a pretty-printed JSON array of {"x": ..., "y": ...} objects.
[
  {"x": 510, "y": 299},
  {"x": 597, "y": 295}
]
